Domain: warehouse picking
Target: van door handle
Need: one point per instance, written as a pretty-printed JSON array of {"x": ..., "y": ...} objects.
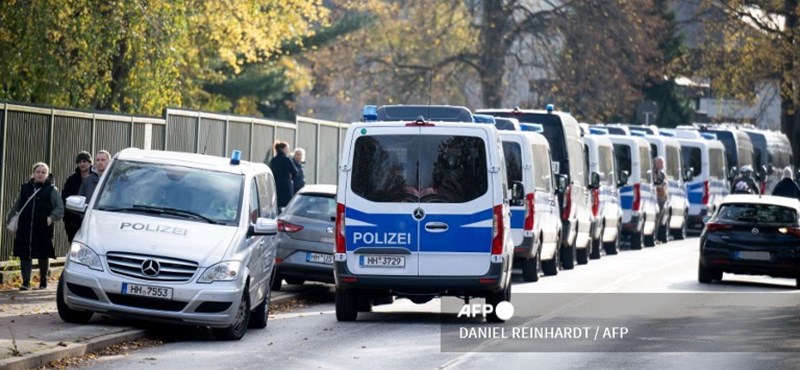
[{"x": 436, "y": 227}]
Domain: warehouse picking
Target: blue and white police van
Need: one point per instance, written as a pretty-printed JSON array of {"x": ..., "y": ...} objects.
[{"x": 422, "y": 212}]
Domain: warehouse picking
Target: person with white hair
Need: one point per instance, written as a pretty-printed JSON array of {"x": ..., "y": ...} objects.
[
  {"x": 787, "y": 187},
  {"x": 299, "y": 162}
]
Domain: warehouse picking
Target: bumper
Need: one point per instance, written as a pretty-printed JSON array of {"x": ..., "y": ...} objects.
[
  {"x": 526, "y": 248},
  {"x": 306, "y": 271},
  {"x": 494, "y": 280},
  {"x": 725, "y": 261},
  {"x": 695, "y": 222},
  {"x": 212, "y": 304},
  {"x": 568, "y": 233},
  {"x": 634, "y": 225}
]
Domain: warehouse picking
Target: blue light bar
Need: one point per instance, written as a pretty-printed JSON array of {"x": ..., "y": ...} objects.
[
  {"x": 370, "y": 113},
  {"x": 709, "y": 135},
  {"x": 483, "y": 118},
  {"x": 550, "y": 108},
  {"x": 597, "y": 131},
  {"x": 236, "y": 156},
  {"x": 533, "y": 127}
]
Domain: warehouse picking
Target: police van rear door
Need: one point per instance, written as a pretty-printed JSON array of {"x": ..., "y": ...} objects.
[{"x": 456, "y": 201}]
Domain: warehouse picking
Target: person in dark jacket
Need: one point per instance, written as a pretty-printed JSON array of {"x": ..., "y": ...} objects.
[
  {"x": 745, "y": 184},
  {"x": 90, "y": 183},
  {"x": 787, "y": 187},
  {"x": 284, "y": 171},
  {"x": 299, "y": 162},
  {"x": 72, "y": 220},
  {"x": 34, "y": 236}
]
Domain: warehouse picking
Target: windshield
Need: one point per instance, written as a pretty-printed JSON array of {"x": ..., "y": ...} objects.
[{"x": 204, "y": 196}]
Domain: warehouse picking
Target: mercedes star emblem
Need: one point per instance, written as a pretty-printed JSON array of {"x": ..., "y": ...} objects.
[
  {"x": 151, "y": 267},
  {"x": 754, "y": 231},
  {"x": 419, "y": 214}
]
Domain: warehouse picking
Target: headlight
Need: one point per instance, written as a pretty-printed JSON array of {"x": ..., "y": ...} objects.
[
  {"x": 84, "y": 255},
  {"x": 223, "y": 271}
]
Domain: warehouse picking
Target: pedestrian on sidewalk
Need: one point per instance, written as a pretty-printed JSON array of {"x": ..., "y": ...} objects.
[
  {"x": 787, "y": 187},
  {"x": 284, "y": 171},
  {"x": 299, "y": 162},
  {"x": 72, "y": 220},
  {"x": 90, "y": 183},
  {"x": 34, "y": 236}
]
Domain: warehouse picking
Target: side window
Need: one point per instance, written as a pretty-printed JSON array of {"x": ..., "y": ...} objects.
[
  {"x": 622, "y": 153},
  {"x": 252, "y": 211},
  {"x": 653, "y": 150},
  {"x": 645, "y": 164},
  {"x": 264, "y": 197}
]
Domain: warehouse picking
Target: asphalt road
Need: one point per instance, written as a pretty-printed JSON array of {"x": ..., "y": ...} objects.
[{"x": 682, "y": 329}]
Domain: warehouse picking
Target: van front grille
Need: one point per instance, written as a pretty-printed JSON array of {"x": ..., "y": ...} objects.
[{"x": 153, "y": 268}]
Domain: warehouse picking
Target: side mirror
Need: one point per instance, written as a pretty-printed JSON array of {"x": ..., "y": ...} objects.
[
  {"x": 263, "y": 226},
  {"x": 594, "y": 180},
  {"x": 733, "y": 172},
  {"x": 623, "y": 179},
  {"x": 688, "y": 175},
  {"x": 517, "y": 193},
  {"x": 76, "y": 203},
  {"x": 561, "y": 186}
]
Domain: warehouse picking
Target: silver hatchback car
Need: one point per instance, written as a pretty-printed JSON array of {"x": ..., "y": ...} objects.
[{"x": 305, "y": 236}]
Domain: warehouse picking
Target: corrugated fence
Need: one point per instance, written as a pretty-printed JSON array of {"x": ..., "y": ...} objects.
[{"x": 32, "y": 134}]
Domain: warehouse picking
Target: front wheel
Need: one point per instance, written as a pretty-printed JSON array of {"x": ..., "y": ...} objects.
[
  {"x": 239, "y": 327},
  {"x": 568, "y": 255},
  {"x": 530, "y": 266},
  {"x": 680, "y": 234},
  {"x": 346, "y": 305},
  {"x": 67, "y": 314}
]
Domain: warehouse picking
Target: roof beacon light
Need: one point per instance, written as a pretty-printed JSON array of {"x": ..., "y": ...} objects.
[
  {"x": 236, "y": 157},
  {"x": 370, "y": 113},
  {"x": 550, "y": 108}
]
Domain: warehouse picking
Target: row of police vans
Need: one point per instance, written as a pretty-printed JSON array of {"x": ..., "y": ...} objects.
[{"x": 438, "y": 201}]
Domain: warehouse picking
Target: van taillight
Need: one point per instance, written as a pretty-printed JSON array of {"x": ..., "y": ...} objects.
[
  {"x": 340, "y": 241},
  {"x": 567, "y": 203},
  {"x": 595, "y": 201},
  {"x": 637, "y": 196},
  {"x": 705, "y": 192},
  {"x": 497, "y": 229},
  {"x": 530, "y": 211}
]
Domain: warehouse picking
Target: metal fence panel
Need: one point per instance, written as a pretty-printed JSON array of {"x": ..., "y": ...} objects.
[
  {"x": 138, "y": 135},
  {"x": 211, "y": 138},
  {"x": 239, "y": 138},
  {"x": 157, "y": 141},
  {"x": 112, "y": 135},
  {"x": 182, "y": 133},
  {"x": 328, "y": 154},
  {"x": 307, "y": 139},
  {"x": 263, "y": 137}
]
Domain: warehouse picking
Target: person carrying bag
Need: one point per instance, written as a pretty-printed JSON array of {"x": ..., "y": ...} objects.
[{"x": 13, "y": 224}]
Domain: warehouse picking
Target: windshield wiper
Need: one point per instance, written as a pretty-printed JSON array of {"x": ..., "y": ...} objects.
[{"x": 161, "y": 211}]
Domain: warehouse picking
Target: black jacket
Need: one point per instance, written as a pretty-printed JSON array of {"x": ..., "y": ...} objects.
[
  {"x": 787, "y": 188},
  {"x": 71, "y": 187},
  {"x": 284, "y": 170},
  {"x": 34, "y": 239},
  {"x": 749, "y": 185},
  {"x": 300, "y": 179}
]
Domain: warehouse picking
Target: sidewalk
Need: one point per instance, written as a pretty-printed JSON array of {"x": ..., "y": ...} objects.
[{"x": 33, "y": 335}]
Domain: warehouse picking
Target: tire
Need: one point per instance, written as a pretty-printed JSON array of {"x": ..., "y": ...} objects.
[
  {"x": 612, "y": 248},
  {"x": 650, "y": 240},
  {"x": 568, "y": 255},
  {"x": 277, "y": 281},
  {"x": 260, "y": 315},
  {"x": 530, "y": 266},
  {"x": 550, "y": 268},
  {"x": 636, "y": 240},
  {"x": 680, "y": 234},
  {"x": 67, "y": 314},
  {"x": 496, "y": 297},
  {"x": 706, "y": 275},
  {"x": 295, "y": 281},
  {"x": 596, "y": 244},
  {"x": 241, "y": 322},
  {"x": 346, "y": 305},
  {"x": 582, "y": 255}
]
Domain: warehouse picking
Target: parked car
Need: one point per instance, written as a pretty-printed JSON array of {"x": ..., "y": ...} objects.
[
  {"x": 305, "y": 237},
  {"x": 754, "y": 235}
]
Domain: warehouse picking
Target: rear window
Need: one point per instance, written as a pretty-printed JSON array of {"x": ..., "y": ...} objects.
[
  {"x": 730, "y": 146},
  {"x": 622, "y": 154},
  {"x": 673, "y": 165},
  {"x": 552, "y": 130},
  {"x": 654, "y": 150},
  {"x": 315, "y": 206},
  {"x": 645, "y": 164},
  {"x": 606, "y": 165},
  {"x": 716, "y": 164},
  {"x": 757, "y": 213},
  {"x": 414, "y": 168},
  {"x": 692, "y": 158},
  {"x": 513, "y": 156}
]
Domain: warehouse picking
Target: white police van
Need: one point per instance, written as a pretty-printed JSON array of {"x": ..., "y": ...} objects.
[
  {"x": 535, "y": 227},
  {"x": 422, "y": 212},
  {"x": 175, "y": 237},
  {"x": 676, "y": 207},
  {"x": 708, "y": 184},
  {"x": 636, "y": 194},
  {"x": 603, "y": 191}
]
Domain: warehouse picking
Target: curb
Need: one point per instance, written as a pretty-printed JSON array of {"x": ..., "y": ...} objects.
[{"x": 44, "y": 357}]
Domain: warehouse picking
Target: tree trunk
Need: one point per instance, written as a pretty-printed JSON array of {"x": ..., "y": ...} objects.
[
  {"x": 493, "y": 52},
  {"x": 790, "y": 121}
]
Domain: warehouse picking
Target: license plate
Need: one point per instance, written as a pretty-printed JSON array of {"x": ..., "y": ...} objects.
[
  {"x": 319, "y": 258},
  {"x": 382, "y": 261},
  {"x": 755, "y": 256},
  {"x": 147, "y": 291}
]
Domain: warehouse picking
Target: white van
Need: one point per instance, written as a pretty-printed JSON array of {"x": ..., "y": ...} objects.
[
  {"x": 708, "y": 183},
  {"x": 422, "y": 212},
  {"x": 175, "y": 237},
  {"x": 605, "y": 201},
  {"x": 636, "y": 194},
  {"x": 534, "y": 217},
  {"x": 676, "y": 208}
]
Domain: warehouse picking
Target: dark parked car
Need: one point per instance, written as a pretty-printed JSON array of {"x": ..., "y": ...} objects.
[
  {"x": 305, "y": 236},
  {"x": 751, "y": 235}
]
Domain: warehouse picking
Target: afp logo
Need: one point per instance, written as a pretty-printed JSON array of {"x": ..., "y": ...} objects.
[{"x": 504, "y": 310}]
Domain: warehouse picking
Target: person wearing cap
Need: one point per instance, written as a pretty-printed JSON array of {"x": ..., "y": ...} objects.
[
  {"x": 745, "y": 184},
  {"x": 72, "y": 220}
]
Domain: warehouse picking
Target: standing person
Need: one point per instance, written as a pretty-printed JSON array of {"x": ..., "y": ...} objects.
[
  {"x": 659, "y": 179},
  {"x": 72, "y": 221},
  {"x": 745, "y": 184},
  {"x": 284, "y": 170},
  {"x": 299, "y": 162},
  {"x": 787, "y": 187},
  {"x": 34, "y": 236},
  {"x": 90, "y": 183}
]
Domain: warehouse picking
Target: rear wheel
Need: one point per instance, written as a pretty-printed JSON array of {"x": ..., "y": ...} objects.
[
  {"x": 597, "y": 243},
  {"x": 582, "y": 255},
  {"x": 680, "y": 234},
  {"x": 494, "y": 299},
  {"x": 276, "y": 283},
  {"x": 239, "y": 327},
  {"x": 706, "y": 275},
  {"x": 568, "y": 255},
  {"x": 346, "y": 305},
  {"x": 67, "y": 314},
  {"x": 550, "y": 267},
  {"x": 530, "y": 266},
  {"x": 636, "y": 240}
]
